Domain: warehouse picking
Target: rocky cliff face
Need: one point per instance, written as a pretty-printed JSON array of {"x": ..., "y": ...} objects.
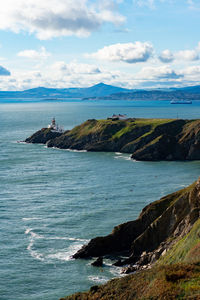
[
  {"x": 159, "y": 225},
  {"x": 42, "y": 136},
  {"x": 167, "y": 232},
  {"x": 145, "y": 139}
]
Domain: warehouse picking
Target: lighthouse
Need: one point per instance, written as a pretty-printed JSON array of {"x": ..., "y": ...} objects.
[{"x": 54, "y": 127}]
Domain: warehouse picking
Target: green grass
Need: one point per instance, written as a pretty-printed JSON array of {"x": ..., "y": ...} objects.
[
  {"x": 185, "y": 250},
  {"x": 179, "y": 281}
]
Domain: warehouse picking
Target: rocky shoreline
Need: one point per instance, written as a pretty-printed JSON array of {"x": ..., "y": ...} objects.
[
  {"x": 166, "y": 232},
  {"x": 144, "y": 139},
  {"x": 163, "y": 246},
  {"x": 160, "y": 225}
]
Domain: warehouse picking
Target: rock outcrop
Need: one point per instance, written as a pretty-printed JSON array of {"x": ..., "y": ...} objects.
[
  {"x": 165, "y": 257},
  {"x": 158, "y": 227},
  {"x": 43, "y": 136},
  {"x": 144, "y": 139}
]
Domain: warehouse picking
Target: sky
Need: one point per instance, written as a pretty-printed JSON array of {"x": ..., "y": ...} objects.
[{"x": 79, "y": 43}]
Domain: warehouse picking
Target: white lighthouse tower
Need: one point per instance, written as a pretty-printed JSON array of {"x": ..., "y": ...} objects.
[{"x": 55, "y": 127}]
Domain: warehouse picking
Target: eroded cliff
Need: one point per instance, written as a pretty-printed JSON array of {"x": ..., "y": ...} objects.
[
  {"x": 164, "y": 246},
  {"x": 145, "y": 139}
]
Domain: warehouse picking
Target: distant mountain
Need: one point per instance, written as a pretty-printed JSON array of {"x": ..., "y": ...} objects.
[
  {"x": 186, "y": 93},
  {"x": 98, "y": 90},
  {"x": 106, "y": 92}
]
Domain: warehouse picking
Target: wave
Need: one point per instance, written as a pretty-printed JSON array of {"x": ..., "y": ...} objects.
[
  {"x": 98, "y": 279},
  {"x": 67, "y": 239},
  {"x": 69, "y": 150},
  {"x": 33, "y": 237},
  {"x": 121, "y": 156},
  {"x": 30, "y": 219},
  {"x": 63, "y": 255}
]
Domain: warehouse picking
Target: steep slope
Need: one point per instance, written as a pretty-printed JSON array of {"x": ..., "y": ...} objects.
[
  {"x": 145, "y": 139},
  {"x": 158, "y": 227},
  {"x": 171, "y": 244}
]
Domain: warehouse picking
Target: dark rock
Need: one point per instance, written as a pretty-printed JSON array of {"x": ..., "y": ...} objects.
[
  {"x": 98, "y": 262},
  {"x": 42, "y": 136},
  {"x": 148, "y": 140},
  {"x": 94, "y": 288},
  {"x": 159, "y": 225},
  {"x": 129, "y": 269},
  {"x": 118, "y": 263}
]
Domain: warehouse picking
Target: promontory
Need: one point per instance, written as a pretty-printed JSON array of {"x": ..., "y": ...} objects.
[{"x": 144, "y": 139}]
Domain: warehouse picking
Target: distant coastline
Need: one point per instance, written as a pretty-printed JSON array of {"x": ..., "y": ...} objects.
[{"x": 103, "y": 91}]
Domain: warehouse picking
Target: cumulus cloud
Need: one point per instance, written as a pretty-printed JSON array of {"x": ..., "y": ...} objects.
[
  {"x": 166, "y": 56},
  {"x": 129, "y": 52},
  {"x": 163, "y": 72},
  {"x": 35, "y": 55},
  {"x": 4, "y": 71},
  {"x": 190, "y": 55},
  {"x": 74, "y": 68},
  {"x": 53, "y": 18}
]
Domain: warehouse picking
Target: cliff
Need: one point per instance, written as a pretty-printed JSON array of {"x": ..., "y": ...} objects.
[
  {"x": 145, "y": 139},
  {"x": 163, "y": 243}
]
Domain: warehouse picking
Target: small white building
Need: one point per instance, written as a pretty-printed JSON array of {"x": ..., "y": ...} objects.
[
  {"x": 118, "y": 117},
  {"x": 55, "y": 127}
]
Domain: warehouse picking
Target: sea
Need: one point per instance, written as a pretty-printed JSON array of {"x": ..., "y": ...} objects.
[{"x": 53, "y": 201}]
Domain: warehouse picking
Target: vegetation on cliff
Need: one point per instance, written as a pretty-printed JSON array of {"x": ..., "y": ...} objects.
[
  {"x": 145, "y": 139},
  {"x": 173, "y": 265}
]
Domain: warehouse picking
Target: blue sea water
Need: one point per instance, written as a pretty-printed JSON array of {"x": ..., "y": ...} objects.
[{"x": 53, "y": 201}]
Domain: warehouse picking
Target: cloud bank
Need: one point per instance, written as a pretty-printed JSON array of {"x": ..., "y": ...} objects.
[
  {"x": 54, "y": 18},
  {"x": 35, "y": 55},
  {"x": 129, "y": 52}
]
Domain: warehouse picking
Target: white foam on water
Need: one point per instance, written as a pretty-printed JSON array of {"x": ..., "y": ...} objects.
[
  {"x": 30, "y": 219},
  {"x": 118, "y": 153},
  {"x": 74, "y": 150},
  {"x": 121, "y": 156},
  {"x": 33, "y": 237},
  {"x": 98, "y": 279},
  {"x": 69, "y": 150},
  {"x": 18, "y": 142},
  {"x": 116, "y": 271},
  {"x": 65, "y": 255},
  {"x": 67, "y": 239}
]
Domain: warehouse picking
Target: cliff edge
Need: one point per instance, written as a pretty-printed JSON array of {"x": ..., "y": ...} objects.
[
  {"x": 145, "y": 139},
  {"x": 163, "y": 246}
]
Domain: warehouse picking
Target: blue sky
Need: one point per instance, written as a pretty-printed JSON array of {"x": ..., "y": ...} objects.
[{"x": 65, "y": 43}]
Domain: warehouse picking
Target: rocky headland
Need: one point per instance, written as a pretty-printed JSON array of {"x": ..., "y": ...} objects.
[
  {"x": 144, "y": 139},
  {"x": 163, "y": 246}
]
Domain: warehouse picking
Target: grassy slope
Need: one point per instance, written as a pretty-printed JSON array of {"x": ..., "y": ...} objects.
[
  {"x": 175, "y": 276},
  {"x": 120, "y": 127}
]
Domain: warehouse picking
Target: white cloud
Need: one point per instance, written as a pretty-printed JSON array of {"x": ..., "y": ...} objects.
[
  {"x": 129, "y": 52},
  {"x": 194, "y": 4},
  {"x": 4, "y": 71},
  {"x": 148, "y": 3},
  {"x": 189, "y": 55},
  {"x": 166, "y": 56},
  {"x": 35, "y": 55},
  {"x": 53, "y": 18},
  {"x": 74, "y": 68},
  {"x": 163, "y": 72}
]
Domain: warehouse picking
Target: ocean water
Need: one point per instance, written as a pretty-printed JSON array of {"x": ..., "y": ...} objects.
[{"x": 53, "y": 201}]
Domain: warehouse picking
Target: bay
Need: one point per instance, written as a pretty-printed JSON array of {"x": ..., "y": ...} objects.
[{"x": 53, "y": 201}]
